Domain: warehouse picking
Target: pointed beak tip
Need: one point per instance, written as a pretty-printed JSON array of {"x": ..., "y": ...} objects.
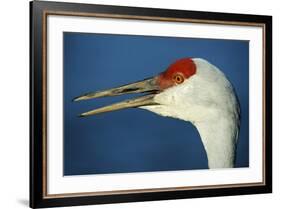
[
  {"x": 80, "y": 98},
  {"x": 77, "y": 99}
]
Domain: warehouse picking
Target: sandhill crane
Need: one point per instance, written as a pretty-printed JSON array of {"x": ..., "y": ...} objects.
[{"x": 193, "y": 90}]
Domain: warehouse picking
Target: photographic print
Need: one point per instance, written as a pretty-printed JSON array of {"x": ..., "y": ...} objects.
[
  {"x": 198, "y": 88},
  {"x": 135, "y": 104}
]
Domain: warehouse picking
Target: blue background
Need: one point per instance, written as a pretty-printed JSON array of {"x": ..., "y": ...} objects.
[{"x": 136, "y": 140}]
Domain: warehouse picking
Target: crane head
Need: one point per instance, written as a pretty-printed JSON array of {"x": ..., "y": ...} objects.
[
  {"x": 176, "y": 74},
  {"x": 190, "y": 89}
]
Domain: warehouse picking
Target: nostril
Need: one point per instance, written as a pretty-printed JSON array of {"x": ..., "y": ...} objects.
[{"x": 129, "y": 90}]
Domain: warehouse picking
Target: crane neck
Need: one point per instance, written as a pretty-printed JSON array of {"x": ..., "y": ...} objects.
[{"x": 219, "y": 138}]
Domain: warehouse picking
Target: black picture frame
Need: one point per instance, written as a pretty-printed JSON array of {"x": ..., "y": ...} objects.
[{"x": 39, "y": 10}]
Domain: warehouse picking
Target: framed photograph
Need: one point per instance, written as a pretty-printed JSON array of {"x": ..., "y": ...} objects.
[{"x": 138, "y": 104}]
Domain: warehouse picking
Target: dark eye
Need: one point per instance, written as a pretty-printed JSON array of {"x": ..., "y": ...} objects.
[{"x": 178, "y": 78}]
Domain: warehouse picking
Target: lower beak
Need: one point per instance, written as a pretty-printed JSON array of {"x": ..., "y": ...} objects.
[{"x": 148, "y": 86}]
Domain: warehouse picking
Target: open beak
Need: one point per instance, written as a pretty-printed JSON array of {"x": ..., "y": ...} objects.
[{"x": 148, "y": 86}]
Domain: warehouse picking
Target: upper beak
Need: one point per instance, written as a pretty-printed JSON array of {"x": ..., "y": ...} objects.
[{"x": 148, "y": 86}]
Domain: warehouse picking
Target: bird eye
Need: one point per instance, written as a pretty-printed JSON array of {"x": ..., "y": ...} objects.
[{"x": 178, "y": 78}]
